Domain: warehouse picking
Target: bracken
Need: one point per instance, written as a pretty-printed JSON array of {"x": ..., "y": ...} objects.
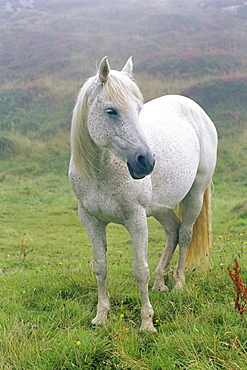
[{"x": 241, "y": 290}]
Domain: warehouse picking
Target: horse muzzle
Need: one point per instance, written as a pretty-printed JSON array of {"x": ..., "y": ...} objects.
[{"x": 141, "y": 165}]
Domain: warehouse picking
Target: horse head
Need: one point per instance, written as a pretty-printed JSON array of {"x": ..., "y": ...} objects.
[{"x": 114, "y": 104}]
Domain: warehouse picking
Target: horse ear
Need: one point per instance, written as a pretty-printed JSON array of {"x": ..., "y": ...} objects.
[
  {"x": 128, "y": 68},
  {"x": 104, "y": 70}
]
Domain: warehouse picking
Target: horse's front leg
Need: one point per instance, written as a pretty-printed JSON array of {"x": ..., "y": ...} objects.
[
  {"x": 139, "y": 234},
  {"x": 97, "y": 234}
]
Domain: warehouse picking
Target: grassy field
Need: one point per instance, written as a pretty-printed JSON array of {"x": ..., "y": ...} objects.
[
  {"x": 49, "y": 295},
  {"x": 48, "y": 292}
]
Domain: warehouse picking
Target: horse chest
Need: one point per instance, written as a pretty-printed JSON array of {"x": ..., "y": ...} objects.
[
  {"x": 115, "y": 203},
  {"x": 105, "y": 204}
]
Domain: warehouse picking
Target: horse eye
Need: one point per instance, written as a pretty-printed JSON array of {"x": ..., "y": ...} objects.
[{"x": 111, "y": 111}]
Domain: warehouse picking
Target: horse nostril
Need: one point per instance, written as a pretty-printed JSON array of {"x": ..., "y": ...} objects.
[
  {"x": 141, "y": 161},
  {"x": 141, "y": 165}
]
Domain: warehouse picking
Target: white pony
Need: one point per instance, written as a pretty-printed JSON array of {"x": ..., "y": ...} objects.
[{"x": 130, "y": 161}]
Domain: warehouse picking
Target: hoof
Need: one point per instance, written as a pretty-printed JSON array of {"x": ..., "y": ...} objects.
[
  {"x": 178, "y": 286},
  {"x": 147, "y": 328},
  {"x": 160, "y": 287},
  {"x": 99, "y": 320}
]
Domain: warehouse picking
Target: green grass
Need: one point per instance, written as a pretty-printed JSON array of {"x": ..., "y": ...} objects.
[{"x": 49, "y": 294}]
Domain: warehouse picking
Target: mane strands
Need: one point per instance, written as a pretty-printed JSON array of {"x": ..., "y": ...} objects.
[{"x": 82, "y": 148}]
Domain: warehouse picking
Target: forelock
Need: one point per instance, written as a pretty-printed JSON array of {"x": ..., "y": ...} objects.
[{"x": 122, "y": 90}]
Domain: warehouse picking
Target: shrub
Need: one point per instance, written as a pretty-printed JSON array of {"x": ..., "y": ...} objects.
[
  {"x": 223, "y": 89},
  {"x": 7, "y": 148}
]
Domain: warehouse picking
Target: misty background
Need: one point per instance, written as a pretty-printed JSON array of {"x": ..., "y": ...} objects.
[{"x": 48, "y": 49}]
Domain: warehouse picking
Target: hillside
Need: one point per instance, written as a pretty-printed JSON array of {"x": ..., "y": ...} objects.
[
  {"x": 180, "y": 41},
  {"x": 48, "y": 49}
]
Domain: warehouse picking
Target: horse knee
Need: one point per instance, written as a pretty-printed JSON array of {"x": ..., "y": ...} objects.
[
  {"x": 141, "y": 275},
  {"x": 100, "y": 269}
]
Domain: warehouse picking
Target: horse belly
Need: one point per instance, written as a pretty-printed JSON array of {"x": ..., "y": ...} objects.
[{"x": 170, "y": 185}]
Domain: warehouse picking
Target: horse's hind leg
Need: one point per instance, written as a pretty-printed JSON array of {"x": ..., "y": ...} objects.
[
  {"x": 171, "y": 225},
  {"x": 191, "y": 210}
]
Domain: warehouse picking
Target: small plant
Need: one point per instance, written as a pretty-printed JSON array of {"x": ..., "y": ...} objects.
[
  {"x": 23, "y": 251},
  {"x": 240, "y": 289}
]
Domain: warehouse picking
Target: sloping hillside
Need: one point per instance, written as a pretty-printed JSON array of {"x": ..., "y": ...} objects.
[
  {"x": 168, "y": 38},
  {"x": 48, "y": 49}
]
